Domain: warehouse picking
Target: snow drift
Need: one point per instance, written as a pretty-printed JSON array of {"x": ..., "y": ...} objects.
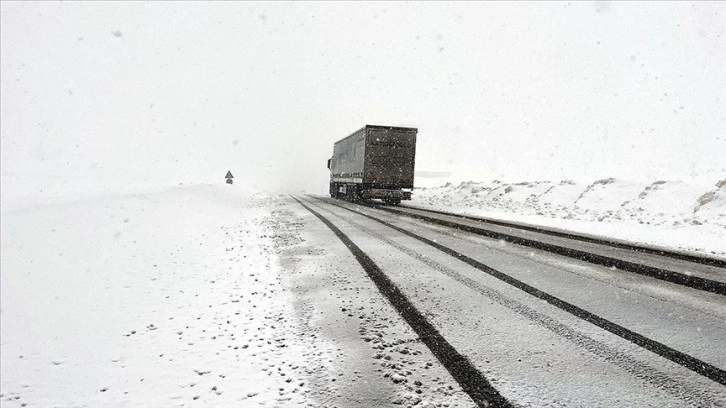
[{"x": 672, "y": 214}]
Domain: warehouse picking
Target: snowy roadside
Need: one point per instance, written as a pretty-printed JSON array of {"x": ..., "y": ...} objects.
[
  {"x": 198, "y": 295},
  {"x": 673, "y": 215},
  {"x": 146, "y": 300},
  {"x": 377, "y": 360}
]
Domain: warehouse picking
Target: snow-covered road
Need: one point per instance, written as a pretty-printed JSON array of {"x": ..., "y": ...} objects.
[
  {"x": 701, "y": 272},
  {"x": 534, "y": 353},
  {"x": 214, "y": 296}
]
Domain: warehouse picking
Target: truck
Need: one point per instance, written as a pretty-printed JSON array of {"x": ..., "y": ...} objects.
[{"x": 374, "y": 162}]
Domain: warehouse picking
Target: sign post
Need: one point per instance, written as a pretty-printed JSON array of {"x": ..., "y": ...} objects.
[{"x": 229, "y": 177}]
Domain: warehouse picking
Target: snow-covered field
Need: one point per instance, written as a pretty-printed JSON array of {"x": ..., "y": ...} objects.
[
  {"x": 154, "y": 299},
  {"x": 682, "y": 216},
  {"x": 197, "y": 295}
]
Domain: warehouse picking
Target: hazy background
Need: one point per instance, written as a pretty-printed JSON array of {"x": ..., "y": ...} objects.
[{"x": 105, "y": 97}]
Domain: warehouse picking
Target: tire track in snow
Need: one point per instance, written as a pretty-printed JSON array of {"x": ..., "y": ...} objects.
[
  {"x": 678, "y": 278},
  {"x": 675, "y": 254},
  {"x": 698, "y": 366},
  {"x": 638, "y": 369},
  {"x": 615, "y": 281},
  {"x": 471, "y": 380}
]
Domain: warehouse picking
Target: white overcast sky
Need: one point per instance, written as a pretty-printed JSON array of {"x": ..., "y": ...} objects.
[{"x": 111, "y": 95}]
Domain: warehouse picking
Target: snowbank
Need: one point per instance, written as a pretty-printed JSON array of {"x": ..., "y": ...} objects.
[{"x": 671, "y": 214}]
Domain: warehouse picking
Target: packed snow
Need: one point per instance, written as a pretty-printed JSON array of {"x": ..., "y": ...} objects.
[
  {"x": 675, "y": 215},
  {"x": 536, "y": 355},
  {"x": 197, "y": 295}
]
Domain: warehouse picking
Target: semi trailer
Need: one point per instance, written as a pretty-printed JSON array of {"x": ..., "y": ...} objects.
[{"x": 375, "y": 162}]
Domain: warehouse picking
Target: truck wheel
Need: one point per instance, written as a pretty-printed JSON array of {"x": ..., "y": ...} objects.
[{"x": 353, "y": 195}]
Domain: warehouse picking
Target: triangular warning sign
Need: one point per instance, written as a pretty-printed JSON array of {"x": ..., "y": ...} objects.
[{"x": 229, "y": 174}]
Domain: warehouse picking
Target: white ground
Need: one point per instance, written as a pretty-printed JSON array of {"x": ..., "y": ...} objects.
[
  {"x": 207, "y": 295},
  {"x": 197, "y": 296},
  {"x": 676, "y": 215},
  {"x": 535, "y": 354},
  {"x": 150, "y": 299}
]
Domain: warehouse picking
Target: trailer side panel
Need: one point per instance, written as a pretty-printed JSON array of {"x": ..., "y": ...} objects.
[{"x": 348, "y": 161}]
